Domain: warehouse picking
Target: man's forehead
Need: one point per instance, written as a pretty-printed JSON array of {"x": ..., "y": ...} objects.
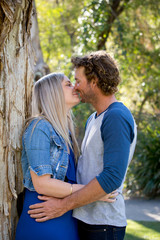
[{"x": 79, "y": 70}]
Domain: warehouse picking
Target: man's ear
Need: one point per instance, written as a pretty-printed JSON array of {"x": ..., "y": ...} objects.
[{"x": 94, "y": 82}]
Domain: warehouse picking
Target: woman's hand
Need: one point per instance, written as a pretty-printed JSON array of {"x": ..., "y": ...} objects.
[{"x": 111, "y": 197}]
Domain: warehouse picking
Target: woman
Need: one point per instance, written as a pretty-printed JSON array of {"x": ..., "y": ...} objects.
[{"x": 48, "y": 157}]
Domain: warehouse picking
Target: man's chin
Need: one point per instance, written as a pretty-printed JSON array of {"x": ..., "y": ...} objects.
[{"x": 83, "y": 101}]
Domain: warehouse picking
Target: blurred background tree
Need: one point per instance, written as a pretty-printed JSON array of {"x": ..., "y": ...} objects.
[{"x": 130, "y": 31}]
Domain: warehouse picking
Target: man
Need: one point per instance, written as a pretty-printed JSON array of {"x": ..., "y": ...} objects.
[{"x": 107, "y": 149}]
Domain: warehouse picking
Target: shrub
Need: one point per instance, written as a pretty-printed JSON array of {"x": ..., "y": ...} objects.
[{"x": 144, "y": 172}]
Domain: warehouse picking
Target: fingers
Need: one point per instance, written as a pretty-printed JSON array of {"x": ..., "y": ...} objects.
[
  {"x": 40, "y": 217},
  {"x": 113, "y": 192},
  {"x": 110, "y": 200},
  {"x": 37, "y": 216},
  {"x": 43, "y": 219},
  {"x": 37, "y": 205},
  {"x": 44, "y": 198},
  {"x": 113, "y": 195},
  {"x": 35, "y": 211}
]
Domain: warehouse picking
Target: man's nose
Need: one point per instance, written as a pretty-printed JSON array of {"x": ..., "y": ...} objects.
[{"x": 75, "y": 86}]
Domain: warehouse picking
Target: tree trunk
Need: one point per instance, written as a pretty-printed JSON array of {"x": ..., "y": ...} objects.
[
  {"x": 16, "y": 80},
  {"x": 40, "y": 67}
]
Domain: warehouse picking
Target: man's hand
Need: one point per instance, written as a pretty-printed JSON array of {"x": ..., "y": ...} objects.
[
  {"x": 111, "y": 197},
  {"x": 53, "y": 207},
  {"x": 50, "y": 208}
]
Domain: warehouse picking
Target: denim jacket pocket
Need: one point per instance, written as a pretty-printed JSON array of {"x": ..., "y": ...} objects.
[{"x": 58, "y": 148}]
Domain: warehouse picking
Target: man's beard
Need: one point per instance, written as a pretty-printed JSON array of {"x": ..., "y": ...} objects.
[{"x": 87, "y": 98}]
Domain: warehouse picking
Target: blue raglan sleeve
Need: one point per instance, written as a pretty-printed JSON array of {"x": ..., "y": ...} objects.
[{"x": 116, "y": 134}]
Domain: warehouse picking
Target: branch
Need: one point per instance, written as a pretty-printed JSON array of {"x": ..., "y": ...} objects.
[
  {"x": 70, "y": 33},
  {"x": 115, "y": 11},
  {"x": 147, "y": 95}
]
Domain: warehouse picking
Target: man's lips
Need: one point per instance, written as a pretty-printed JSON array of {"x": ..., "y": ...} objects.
[{"x": 76, "y": 93}]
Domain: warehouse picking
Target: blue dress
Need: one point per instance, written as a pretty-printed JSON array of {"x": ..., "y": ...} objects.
[{"x": 64, "y": 227}]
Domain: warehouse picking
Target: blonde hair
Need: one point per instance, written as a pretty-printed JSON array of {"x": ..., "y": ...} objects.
[{"x": 48, "y": 102}]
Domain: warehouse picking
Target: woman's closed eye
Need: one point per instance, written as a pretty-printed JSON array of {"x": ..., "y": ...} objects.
[{"x": 69, "y": 84}]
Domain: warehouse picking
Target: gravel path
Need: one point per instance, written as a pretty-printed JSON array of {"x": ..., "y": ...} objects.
[{"x": 140, "y": 209}]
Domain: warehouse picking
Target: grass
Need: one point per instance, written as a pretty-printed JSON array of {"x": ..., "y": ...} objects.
[{"x": 141, "y": 230}]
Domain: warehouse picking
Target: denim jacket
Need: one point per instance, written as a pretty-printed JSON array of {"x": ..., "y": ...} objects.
[{"x": 44, "y": 152}]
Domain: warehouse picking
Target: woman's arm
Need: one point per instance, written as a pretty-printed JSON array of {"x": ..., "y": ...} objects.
[
  {"x": 56, "y": 188},
  {"x": 53, "y": 187}
]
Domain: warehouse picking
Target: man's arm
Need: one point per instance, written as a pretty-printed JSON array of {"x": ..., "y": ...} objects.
[{"x": 54, "y": 207}]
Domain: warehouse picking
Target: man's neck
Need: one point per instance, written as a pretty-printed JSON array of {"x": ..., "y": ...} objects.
[{"x": 103, "y": 102}]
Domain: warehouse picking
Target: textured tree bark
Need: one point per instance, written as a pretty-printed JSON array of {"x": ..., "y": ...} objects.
[
  {"x": 40, "y": 68},
  {"x": 16, "y": 80}
]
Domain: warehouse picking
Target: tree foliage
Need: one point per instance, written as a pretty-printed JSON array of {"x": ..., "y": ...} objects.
[
  {"x": 130, "y": 31},
  {"x": 58, "y": 21},
  {"x": 144, "y": 172},
  {"x": 97, "y": 21}
]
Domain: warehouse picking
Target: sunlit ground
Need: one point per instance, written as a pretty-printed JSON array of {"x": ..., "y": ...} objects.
[{"x": 139, "y": 230}]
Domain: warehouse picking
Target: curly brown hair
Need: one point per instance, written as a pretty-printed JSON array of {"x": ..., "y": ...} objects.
[{"x": 100, "y": 65}]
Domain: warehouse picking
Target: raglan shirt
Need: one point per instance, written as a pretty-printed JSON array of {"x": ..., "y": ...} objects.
[
  {"x": 107, "y": 149},
  {"x": 117, "y": 132}
]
